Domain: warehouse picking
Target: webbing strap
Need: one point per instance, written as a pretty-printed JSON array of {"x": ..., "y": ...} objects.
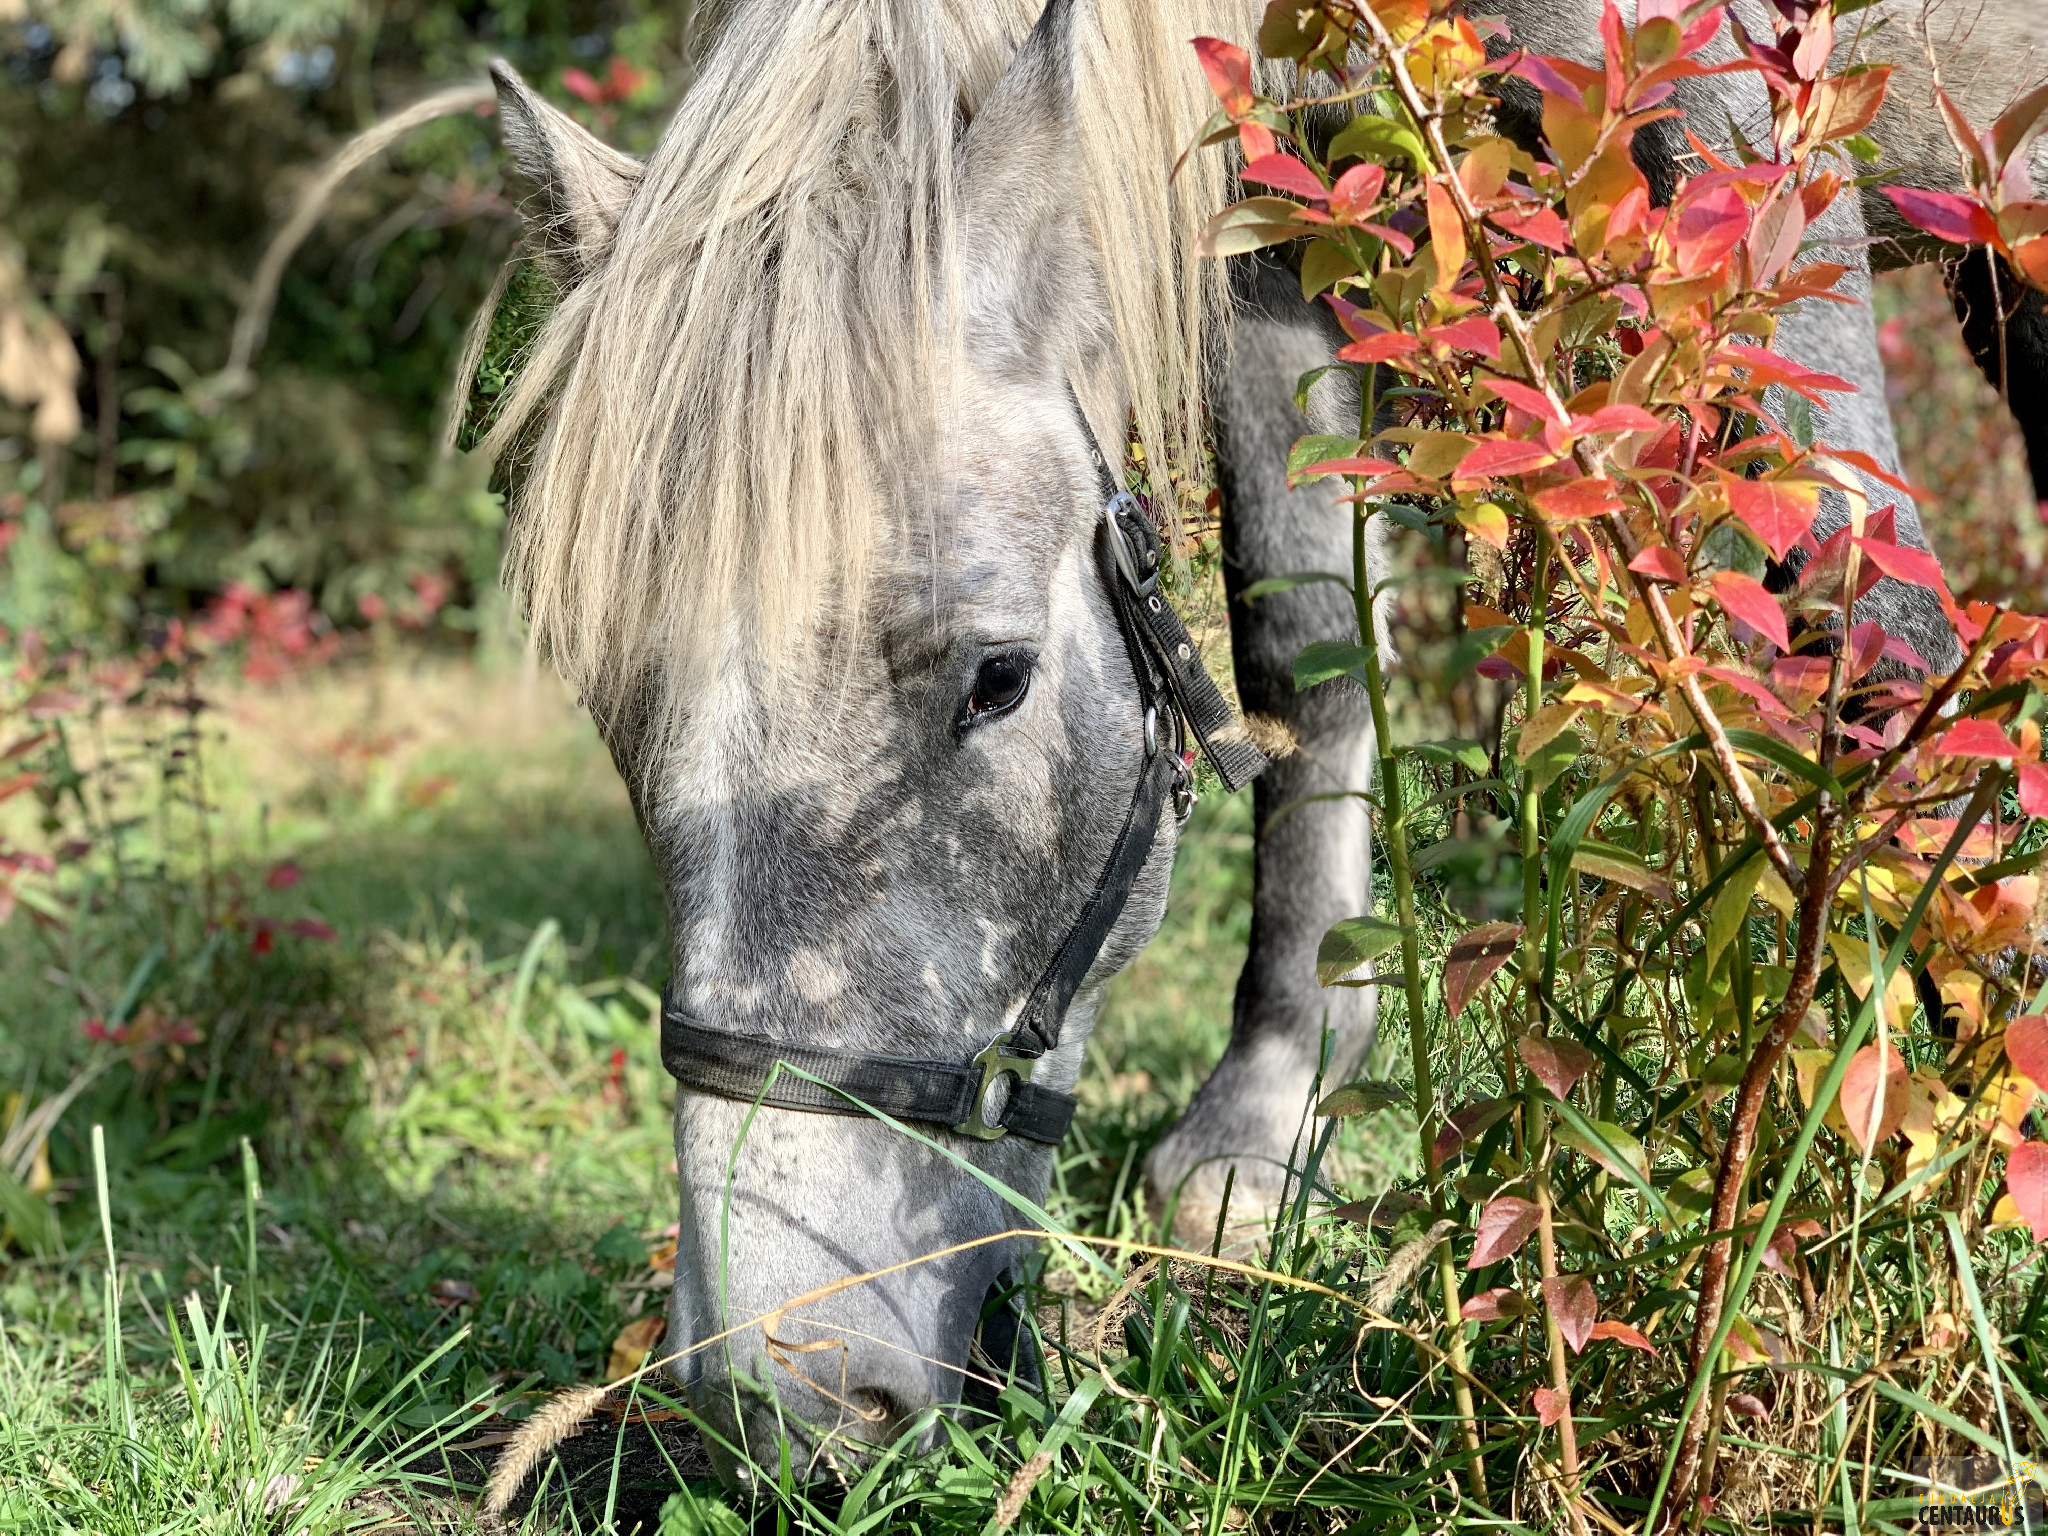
[{"x": 934, "y": 1092}]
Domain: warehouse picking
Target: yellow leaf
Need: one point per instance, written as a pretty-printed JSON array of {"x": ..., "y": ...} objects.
[
  {"x": 634, "y": 1344},
  {"x": 1485, "y": 522},
  {"x": 1777, "y": 893},
  {"x": 1436, "y": 454},
  {"x": 1853, "y": 955},
  {"x": 1542, "y": 728},
  {"x": 2005, "y": 1213}
]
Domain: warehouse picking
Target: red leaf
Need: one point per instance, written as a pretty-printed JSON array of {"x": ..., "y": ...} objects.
[
  {"x": 1621, "y": 1333},
  {"x": 1744, "y": 597},
  {"x": 1556, "y": 1064},
  {"x": 1976, "y": 738},
  {"x": 1534, "y": 401},
  {"x": 1491, "y": 1306},
  {"x": 1504, "y": 1226},
  {"x": 2034, "y": 789},
  {"x": 1767, "y": 368},
  {"x": 1476, "y": 334},
  {"x": 2026, "y": 1178},
  {"x": 1748, "y": 1404},
  {"x": 1705, "y": 227},
  {"x": 1550, "y": 1405},
  {"x": 1229, "y": 69},
  {"x": 1618, "y": 418},
  {"x": 309, "y": 928},
  {"x": 1380, "y": 348},
  {"x": 581, "y": 86},
  {"x": 2026, "y": 1047},
  {"x": 1904, "y": 563},
  {"x": 1289, "y": 175},
  {"x": 1660, "y": 562},
  {"x": 1357, "y": 191},
  {"x": 1465, "y": 1125},
  {"x": 284, "y": 876},
  {"x": 261, "y": 943},
  {"x": 1560, "y": 77},
  {"x": 1496, "y": 458},
  {"x": 1571, "y": 1301},
  {"x": 1945, "y": 215},
  {"x": 1779, "y": 512},
  {"x": 1476, "y": 956},
  {"x": 1576, "y": 501},
  {"x": 1539, "y": 226},
  {"x": 1860, "y": 1091}
]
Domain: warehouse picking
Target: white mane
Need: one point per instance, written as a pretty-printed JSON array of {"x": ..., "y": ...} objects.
[{"x": 731, "y": 403}]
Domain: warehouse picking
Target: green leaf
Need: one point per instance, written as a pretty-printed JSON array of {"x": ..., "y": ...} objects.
[
  {"x": 1380, "y": 139},
  {"x": 1360, "y": 1098},
  {"x": 1251, "y": 225},
  {"x": 1731, "y": 907},
  {"x": 1327, "y": 659},
  {"x": 1691, "y": 1195},
  {"x": 29, "y": 1218},
  {"x": 1864, "y": 148},
  {"x": 1351, "y": 943},
  {"x": 1272, "y": 584},
  {"x": 1318, "y": 447},
  {"x": 1756, "y": 744},
  {"x": 1454, "y": 752},
  {"x": 1322, "y": 264},
  {"x": 1308, "y": 382},
  {"x": 1473, "y": 647},
  {"x": 1553, "y": 757}
]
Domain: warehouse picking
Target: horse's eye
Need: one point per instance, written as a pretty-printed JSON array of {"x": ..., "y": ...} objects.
[{"x": 998, "y": 686}]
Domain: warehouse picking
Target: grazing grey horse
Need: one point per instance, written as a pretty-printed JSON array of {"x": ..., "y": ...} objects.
[{"x": 812, "y": 512}]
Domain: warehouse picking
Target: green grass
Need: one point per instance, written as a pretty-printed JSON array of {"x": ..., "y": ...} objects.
[{"x": 410, "y": 1180}]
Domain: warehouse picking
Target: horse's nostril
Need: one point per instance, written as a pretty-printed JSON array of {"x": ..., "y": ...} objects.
[{"x": 881, "y": 1409}]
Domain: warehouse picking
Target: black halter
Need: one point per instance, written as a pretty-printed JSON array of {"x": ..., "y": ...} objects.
[{"x": 993, "y": 1096}]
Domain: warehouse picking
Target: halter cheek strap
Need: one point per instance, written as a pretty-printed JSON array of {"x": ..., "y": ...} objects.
[{"x": 993, "y": 1096}]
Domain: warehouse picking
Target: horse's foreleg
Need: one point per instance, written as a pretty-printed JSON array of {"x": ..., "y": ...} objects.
[
  {"x": 1311, "y": 865},
  {"x": 2005, "y": 325}
]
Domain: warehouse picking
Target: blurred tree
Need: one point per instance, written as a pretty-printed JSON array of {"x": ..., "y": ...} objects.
[{"x": 148, "y": 149}]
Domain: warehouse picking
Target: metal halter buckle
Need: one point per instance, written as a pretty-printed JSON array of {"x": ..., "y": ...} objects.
[
  {"x": 1126, "y": 559},
  {"x": 996, "y": 1060}
]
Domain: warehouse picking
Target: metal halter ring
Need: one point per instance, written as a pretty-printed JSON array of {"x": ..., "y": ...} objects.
[{"x": 996, "y": 1061}]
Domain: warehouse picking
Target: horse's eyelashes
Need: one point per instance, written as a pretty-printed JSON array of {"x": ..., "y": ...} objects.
[{"x": 1000, "y": 685}]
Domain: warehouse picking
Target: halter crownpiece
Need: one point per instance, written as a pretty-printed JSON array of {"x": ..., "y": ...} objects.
[{"x": 992, "y": 1096}]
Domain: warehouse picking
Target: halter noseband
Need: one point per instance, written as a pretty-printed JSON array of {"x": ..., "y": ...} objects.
[{"x": 992, "y": 1096}]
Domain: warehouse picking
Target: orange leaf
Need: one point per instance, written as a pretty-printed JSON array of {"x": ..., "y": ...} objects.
[
  {"x": 1446, "y": 236},
  {"x": 1621, "y": 1333},
  {"x": 634, "y": 1344},
  {"x": 1229, "y": 69},
  {"x": 1860, "y": 1096}
]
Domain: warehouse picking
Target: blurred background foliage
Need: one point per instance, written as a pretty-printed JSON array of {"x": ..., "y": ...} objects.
[{"x": 148, "y": 148}]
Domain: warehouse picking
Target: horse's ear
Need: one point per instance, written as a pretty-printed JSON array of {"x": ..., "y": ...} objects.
[
  {"x": 578, "y": 184},
  {"x": 1024, "y": 244}
]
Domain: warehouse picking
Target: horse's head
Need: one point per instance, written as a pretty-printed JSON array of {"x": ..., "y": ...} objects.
[{"x": 879, "y": 823}]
